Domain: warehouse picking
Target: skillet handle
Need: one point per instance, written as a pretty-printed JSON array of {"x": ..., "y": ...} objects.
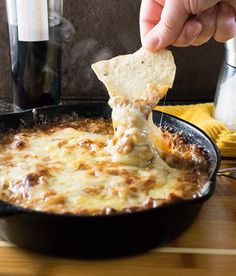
[{"x": 6, "y": 209}]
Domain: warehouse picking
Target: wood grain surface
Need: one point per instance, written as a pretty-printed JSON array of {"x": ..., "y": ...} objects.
[{"x": 208, "y": 247}]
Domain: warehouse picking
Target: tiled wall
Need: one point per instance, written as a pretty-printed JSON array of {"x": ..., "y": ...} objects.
[{"x": 96, "y": 29}]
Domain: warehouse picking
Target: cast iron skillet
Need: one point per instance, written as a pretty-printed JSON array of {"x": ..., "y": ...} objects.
[{"x": 72, "y": 235}]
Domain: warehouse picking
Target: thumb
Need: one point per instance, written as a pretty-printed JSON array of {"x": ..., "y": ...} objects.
[{"x": 169, "y": 27}]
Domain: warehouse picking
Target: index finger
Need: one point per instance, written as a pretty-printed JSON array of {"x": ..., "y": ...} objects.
[
  {"x": 150, "y": 14},
  {"x": 169, "y": 25}
]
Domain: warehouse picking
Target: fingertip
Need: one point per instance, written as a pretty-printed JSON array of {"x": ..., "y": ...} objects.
[
  {"x": 193, "y": 28},
  {"x": 153, "y": 41},
  {"x": 150, "y": 43},
  {"x": 226, "y": 25}
]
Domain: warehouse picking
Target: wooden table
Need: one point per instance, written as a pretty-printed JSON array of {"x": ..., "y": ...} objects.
[{"x": 208, "y": 247}]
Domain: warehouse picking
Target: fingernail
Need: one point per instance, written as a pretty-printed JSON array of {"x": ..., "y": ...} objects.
[
  {"x": 193, "y": 32},
  {"x": 224, "y": 7}
]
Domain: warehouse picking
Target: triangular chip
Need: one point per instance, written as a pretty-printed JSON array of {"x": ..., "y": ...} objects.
[{"x": 136, "y": 75}]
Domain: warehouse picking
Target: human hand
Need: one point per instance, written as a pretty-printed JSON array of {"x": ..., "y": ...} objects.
[{"x": 186, "y": 22}]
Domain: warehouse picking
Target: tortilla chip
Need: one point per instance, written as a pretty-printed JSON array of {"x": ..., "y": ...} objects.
[{"x": 136, "y": 75}]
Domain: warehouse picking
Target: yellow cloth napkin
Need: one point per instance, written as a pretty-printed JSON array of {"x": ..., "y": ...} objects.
[{"x": 201, "y": 115}]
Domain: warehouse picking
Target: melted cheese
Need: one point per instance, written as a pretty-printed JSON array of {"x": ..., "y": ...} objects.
[
  {"x": 133, "y": 141},
  {"x": 69, "y": 170},
  {"x": 130, "y": 144}
]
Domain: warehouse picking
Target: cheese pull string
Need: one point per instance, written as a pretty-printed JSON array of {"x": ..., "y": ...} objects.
[{"x": 164, "y": 103}]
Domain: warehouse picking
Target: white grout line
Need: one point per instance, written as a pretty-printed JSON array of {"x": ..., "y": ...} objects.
[
  {"x": 183, "y": 250},
  {"x": 210, "y": 251}
]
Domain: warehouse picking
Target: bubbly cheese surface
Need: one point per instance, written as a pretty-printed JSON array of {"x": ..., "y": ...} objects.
[{"x": 68, "y": 168}]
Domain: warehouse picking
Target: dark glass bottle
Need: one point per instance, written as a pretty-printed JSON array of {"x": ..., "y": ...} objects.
[{"x": 36, "y": 53}]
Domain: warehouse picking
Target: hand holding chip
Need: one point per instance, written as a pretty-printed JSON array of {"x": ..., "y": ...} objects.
[{"x": 186, "y": 22}]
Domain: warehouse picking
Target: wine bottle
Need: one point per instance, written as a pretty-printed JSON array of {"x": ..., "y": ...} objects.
[{"x": 34, "y": 32}]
